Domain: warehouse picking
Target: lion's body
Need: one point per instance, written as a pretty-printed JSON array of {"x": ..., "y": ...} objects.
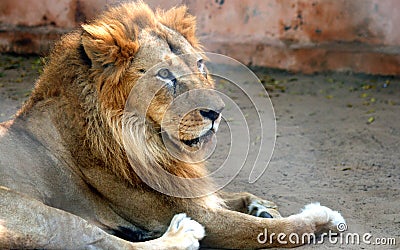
[{"x": 65, "y": 173}]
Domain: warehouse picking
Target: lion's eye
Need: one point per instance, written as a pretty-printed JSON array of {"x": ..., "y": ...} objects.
[
  {"x": 166, "y": 76},
  {"x": 202, "y": 67},
  {"x": 164, "y": 73}
]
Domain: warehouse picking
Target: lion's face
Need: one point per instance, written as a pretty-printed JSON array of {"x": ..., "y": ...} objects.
[
  {"x": 177, "y": 88},
  {"x": 148, "y": 99},
  {"x": 156, "y": 57}
]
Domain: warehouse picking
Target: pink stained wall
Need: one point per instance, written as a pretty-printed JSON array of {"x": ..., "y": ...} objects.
[{"x": 298, "y": 35}]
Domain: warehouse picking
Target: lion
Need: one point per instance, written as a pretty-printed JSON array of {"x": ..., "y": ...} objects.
[{"x": 69, "y": 170}]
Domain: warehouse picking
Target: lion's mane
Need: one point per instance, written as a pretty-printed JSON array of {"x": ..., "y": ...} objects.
[{"x": 85, "y": 82}]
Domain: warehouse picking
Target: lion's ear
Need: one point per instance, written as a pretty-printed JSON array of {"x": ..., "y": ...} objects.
[
  {"x": 107, "y": 44},
  {"x": 180, "y": 20}
]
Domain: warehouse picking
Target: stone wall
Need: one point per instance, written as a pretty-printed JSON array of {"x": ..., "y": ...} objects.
[{"x": 298, "y": 35}]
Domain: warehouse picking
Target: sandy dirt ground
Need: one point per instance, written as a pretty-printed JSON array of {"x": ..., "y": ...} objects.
[{"x": 338, "y": 143}]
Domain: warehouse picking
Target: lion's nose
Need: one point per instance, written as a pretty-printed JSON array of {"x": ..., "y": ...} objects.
[{"x": 210, "y": 114}]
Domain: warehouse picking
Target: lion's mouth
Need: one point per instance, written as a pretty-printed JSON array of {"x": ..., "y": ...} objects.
[{"x": 197, "y": 141}]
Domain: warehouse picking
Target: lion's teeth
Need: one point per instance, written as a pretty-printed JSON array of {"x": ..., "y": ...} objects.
[{"x": 205, "y": 130}]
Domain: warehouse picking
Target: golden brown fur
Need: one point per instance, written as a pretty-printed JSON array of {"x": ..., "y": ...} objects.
[{"x": 76, "y": 114}]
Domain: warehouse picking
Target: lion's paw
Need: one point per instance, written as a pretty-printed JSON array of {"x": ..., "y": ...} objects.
[
  {"x": 183, "y": 233},
  {"x": 264, "y": 209},
  {"x": 323, "y": 217}
]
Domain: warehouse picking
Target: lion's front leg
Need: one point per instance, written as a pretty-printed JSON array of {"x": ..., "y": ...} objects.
[
  {"x": 28, "y": 223},
  {"x": 250, "y": 204},
  {"x": 234, "y": 230}
]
